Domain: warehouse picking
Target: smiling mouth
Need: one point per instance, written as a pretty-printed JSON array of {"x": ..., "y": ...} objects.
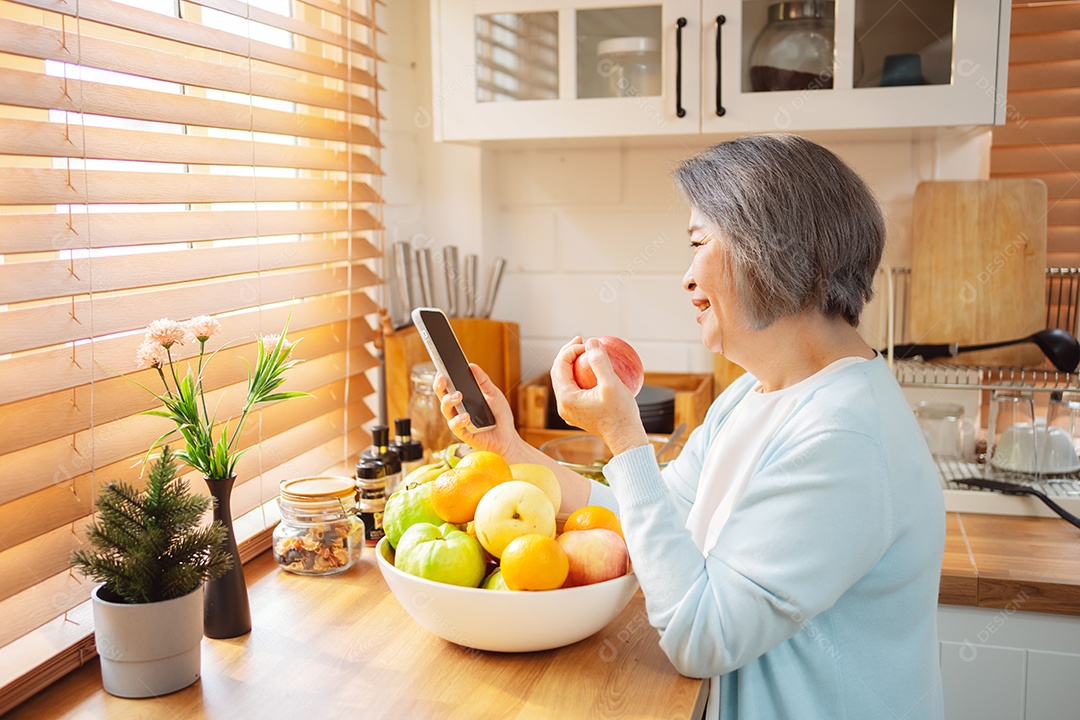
[{"x": 701, "y": 308}]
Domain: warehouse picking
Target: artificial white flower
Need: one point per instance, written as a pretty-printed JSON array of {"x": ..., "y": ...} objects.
[
  {"x": 150, "y": 354},
  {"x": 270, "y": 342},
  {"x": 166, "y": 332},
  {"x": 203, "y": 327}
]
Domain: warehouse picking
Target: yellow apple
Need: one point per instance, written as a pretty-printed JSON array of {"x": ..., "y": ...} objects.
[
  {"x": 510, "y": 510},
  {"x": 542, "y": 477}
]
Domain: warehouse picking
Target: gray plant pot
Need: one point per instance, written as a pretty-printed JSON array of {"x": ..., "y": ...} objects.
[{"x": 148, "y": 649}]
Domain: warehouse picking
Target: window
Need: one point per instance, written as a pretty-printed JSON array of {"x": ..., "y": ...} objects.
[
  {"x": 164, "y": 158},
  {"x": 1042, "y": 136}
]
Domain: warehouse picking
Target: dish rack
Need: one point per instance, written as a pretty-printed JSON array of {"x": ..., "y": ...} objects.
[{"x": 1062, "y": 311}]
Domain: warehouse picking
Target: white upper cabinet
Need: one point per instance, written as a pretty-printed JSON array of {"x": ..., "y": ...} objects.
[{"x": 521, "y": 69}]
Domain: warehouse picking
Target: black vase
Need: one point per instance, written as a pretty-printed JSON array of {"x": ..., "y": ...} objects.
[{"x": 226, "y": 613}]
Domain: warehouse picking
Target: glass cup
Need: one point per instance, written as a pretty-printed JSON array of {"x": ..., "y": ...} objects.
[
  {"x": 1011, "y": 445},
  {"x": 947, "y": 433},
  {"x": 1060, "y": 447}
]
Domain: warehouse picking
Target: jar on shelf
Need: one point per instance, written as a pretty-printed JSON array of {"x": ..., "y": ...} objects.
[
  {"x": 428, "y": 424},
  {"x": 318, "y": 533},
  {"x": 631, "y": 66},
  {"x": 371, "y": 488},
  {"x": 408, "y": 448},
  {"x": 794, "y": 51}
]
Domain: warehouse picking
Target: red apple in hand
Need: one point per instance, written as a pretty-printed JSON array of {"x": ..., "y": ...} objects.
[
  {"x": 595, "y": 555},
  {"x": 624, "y": 361}
]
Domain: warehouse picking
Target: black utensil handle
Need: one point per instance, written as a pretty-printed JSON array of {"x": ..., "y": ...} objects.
[
  {"x": 1022, "y": 490},
  {"x": 720, "y": 111},
  {"x": 680, "y": 111},
  {"x": 927, "y": 351}
]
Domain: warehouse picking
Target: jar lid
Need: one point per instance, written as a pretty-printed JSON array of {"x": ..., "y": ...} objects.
[
  {"x": 423, "y": 373},
  {"x": 308, "y": 489},
  {"x": 802, "y": 9},
  {"x": 370, "y": 469},
  {"x": 614, "y": 46}
]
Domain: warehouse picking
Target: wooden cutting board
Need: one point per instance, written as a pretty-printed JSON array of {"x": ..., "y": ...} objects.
[{"x": 978, "y": 268}]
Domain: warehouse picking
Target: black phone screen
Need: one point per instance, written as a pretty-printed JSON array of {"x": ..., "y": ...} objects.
[{"x": 441, "y": 336}]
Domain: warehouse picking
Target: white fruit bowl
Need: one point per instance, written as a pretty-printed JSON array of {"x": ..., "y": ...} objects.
[{"x": 506, "y": 621}]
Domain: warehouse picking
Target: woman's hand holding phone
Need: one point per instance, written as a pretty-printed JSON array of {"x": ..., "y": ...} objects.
[{"x": 503, "y": 438}]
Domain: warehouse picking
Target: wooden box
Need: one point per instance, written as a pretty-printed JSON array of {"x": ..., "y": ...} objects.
[
  {"x": 693, "y": 395},
  {"x": 493, "y": 345}
]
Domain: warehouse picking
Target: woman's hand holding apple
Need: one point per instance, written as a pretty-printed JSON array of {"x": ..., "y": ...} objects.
[{"x": 608, "y": 410}]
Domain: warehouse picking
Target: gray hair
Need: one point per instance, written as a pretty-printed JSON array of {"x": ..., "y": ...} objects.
[{"x": 801, "y": 228}]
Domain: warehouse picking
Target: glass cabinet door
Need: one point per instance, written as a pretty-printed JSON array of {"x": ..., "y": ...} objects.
[
  {"x": 611, "y": 68},
  {"x": 517, "y": 57},
  {"x": 909, "y": 43},
  {"x": 824, "y": 64}
]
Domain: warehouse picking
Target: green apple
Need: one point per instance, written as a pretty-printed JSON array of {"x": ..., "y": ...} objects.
[
  {"x": 494, "y": 581},
  {"x": 542, "y": 477},
  {"x": 441, "y": 553},
  {"x": 406, "y": 508},
  {"x": 510, "y": 510}
]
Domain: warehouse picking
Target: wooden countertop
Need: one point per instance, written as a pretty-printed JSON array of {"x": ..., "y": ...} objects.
[
  {"x": 342, "y": 646},
  {"x": 1022, "y": 563}
]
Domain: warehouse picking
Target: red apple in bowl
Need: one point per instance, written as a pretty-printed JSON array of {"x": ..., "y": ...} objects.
[
  {"x": 624, "y": 361},
  {"x": 595, "y": 555}
]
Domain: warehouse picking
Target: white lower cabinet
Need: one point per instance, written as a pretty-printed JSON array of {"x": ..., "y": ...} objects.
[{"x": 1007, "y": 664}]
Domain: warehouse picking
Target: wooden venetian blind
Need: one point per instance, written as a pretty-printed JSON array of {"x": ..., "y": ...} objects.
[
  {"x": 162, "y": 158},
  {"x": 1042, "y": 136}
]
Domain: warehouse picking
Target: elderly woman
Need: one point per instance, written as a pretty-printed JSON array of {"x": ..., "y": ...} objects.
[{"x": 792, "y": 551}]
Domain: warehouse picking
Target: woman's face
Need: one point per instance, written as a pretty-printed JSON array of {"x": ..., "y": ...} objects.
[{"x": 709, "y": 283}]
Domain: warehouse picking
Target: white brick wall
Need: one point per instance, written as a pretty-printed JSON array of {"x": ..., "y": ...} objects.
[{"x": 597, "y": 240}]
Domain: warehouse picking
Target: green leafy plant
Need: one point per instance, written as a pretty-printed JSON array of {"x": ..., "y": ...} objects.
[
  {"x": 149, "y": 545},
  {"x": 210, "y": 446}
]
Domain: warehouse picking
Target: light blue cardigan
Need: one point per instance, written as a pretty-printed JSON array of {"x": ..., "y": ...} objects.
[{"x": 819, "y": 599}]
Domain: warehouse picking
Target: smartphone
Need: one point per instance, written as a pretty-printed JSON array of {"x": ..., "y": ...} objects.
[{"x": 446, "y": 352}]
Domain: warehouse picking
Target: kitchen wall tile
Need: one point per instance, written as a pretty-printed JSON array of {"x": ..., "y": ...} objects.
[
  {"x": 402, "y": 221},
  {"x": 555, "y": 306},
  {"x": 646, "y": 176},
  {"x": 527, "y": 240},
  {"x": 402, "y": 185},
  {"x": 657, "y": 308},
  {"x": 701, "y": 360},
  {"x": 621, "y": 241},
  {"x": 537, "y": 356},
  {"x": 661, "y": 356},
  {"x": 886, "y": 166},
  {"x": 546, "y": 177}
]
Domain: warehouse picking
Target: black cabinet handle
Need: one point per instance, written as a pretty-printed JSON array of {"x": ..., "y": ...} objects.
[
  {"x": 680, "y": 111},
  {"x": 720, "y": 111}
]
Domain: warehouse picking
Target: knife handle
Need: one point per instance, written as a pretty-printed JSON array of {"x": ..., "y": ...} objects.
[
  {"x": 450, "y": 259},
  {"x": 401, "y": 263},
  {"x": 471, "y": 265},
  {"x": 423, "y": 269},
  {"x": 494, "y": 279}
]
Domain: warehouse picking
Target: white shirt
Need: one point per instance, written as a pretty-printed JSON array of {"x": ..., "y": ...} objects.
[{"x": 735, "y": 451}]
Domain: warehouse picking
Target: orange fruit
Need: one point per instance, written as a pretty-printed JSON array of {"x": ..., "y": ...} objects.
[
  {"x": 593, "y": 516},
  {"x": 487, "y": 462},
  {"x": 534, "y": 562},
  {"x": 456, "y": 493}
]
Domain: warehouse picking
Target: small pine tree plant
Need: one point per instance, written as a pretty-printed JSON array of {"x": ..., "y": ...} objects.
[{"x": 148, "y": 546}]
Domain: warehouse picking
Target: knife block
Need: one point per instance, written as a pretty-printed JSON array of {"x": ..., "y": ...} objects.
[{"x": 492, "y": 344}]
